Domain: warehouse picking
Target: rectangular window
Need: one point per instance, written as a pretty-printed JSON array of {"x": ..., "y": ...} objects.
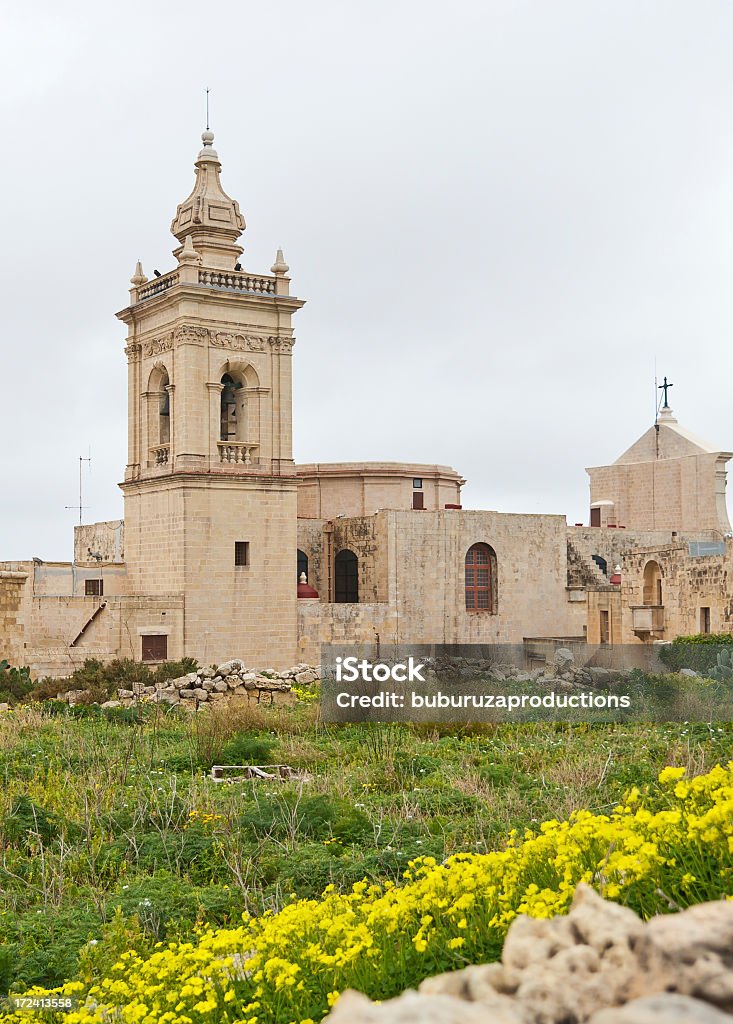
[
  {"x": 604, "y": 624},
  {"x": 241, "y": 552},
  {"x": 155, "y": 648},
  {"x": 418, "y": 499},
  {"x": 704, "y": 620},
  {"x": 417, "y": 483},
  {"x": 94, "y": 588}
]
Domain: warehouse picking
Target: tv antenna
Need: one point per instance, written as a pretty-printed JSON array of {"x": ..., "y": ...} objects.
[{"x": 81, "y": 506}]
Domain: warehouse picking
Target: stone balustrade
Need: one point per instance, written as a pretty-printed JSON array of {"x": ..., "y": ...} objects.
[
  {"x": 242, "y": 453},
  {"x": 238, "y": 281},
  {"x": 157, "y": 285},
  {"x": 161, "y": 454}
]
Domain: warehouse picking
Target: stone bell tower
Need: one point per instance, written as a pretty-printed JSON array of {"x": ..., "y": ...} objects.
[{"x": 210, "y": 489}]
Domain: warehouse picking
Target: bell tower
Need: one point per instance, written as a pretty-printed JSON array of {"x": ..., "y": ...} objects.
[{"x": 210, "y": 488}]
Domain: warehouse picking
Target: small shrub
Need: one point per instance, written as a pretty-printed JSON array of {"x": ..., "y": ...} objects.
[
  {"x": 248, "y": 749},
  {"x": 15, "y": 683}
]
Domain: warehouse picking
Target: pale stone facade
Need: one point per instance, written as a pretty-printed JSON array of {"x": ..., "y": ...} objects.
[
  {"x": 327, "y": 490},
  {"x": 219, "y": 522},
  {"x": 669, "y": 479}
]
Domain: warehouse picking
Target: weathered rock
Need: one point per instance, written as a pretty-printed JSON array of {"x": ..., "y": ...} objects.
[
  {"x": 107, "y": 704},
  {"x": 187, "y": 694},
  {"x": 303, "y": 678},
  {"x": 4, "y": 706},
  {"x": 200, "y": 693},
  {"x": 563, "y": 660},
  {"x": 125, "y": 694},
  {"x": 689, "y": 672},
  {"x": 410, "y": 1008},
  {"x": 235, "y": 665},
  {"x": 207, "y": 673},
  {"x": 664, "y": 1008},
  {"x": 221, "y": 687},
  {"x": 169, "y": 698},
  {"x": 600, "y": 923}
]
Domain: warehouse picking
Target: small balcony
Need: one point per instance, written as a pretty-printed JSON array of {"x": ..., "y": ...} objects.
[
  {"x": 238, "y": 453},
  {"x": 160, "y": 455},
  {"x": 647, "y": 620}
]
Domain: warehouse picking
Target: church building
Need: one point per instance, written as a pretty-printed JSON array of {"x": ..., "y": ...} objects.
[{"x": 229, "y": 549}]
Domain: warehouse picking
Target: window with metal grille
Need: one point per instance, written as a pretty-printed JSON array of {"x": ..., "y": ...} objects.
[
  {"x": 94, "y": 588},
  {"x": 417, "y": 483},
  {"x": 241, "y": 552},
  {"x": 346, "y": 578},
  {"x": 154, "y": 648},
  {"x": 480, "y": 578}
]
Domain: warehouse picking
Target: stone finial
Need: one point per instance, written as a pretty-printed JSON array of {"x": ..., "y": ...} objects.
[
  {"x": 279, "y": 268},
  {"x": 138, "y": 278},
  {"x": 188, "y": 254},
  {"x": 209, "y": 215}
]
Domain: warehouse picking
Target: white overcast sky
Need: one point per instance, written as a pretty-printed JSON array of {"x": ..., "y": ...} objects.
[{"x": 500, "y": 214}]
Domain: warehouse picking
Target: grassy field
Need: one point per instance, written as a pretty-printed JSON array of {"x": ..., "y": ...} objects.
[{"x": 114, "y": 838}]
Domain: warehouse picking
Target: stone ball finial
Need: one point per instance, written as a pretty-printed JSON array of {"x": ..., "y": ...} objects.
[{"x": 207, "y": 138}]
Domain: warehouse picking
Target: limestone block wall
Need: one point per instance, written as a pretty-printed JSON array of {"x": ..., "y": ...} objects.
[
  {"x": 252, "y": 608},
  {"x": 411, "y": 568},
  {"x": 115, "y": 632},
  {"x": 613, "y": 544},
  {"x": 181, "y": 540},
  {"x": 328, "y": 490},
  {"x": 105, "y": 539},
  {"x": 320, "y": 623},
  {"x": 688, "y": 584},
  {"x": 13, "y": 582},
  {"x": 427, "y": 555},
  {"x": 685, "y": 493},
  {"x": 311, "y": 542}
]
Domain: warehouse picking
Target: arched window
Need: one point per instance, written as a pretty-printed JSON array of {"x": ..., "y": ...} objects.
[
  {"x": 302, "y": 564},
  {"x": 164, "y": 418},
  {"x": 159, "y": 415},
  {"x": 652, "y": 584},
  {"x": 481, "y": 591},
  {"x": 346, "y": 578},
  {"x": 232, "y": 409}
]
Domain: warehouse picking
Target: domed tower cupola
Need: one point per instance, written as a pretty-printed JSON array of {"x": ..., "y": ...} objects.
[{"x": 209, "y": 216}]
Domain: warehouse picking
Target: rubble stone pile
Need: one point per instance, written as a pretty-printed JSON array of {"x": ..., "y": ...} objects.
[{"x": 211, "y": 685}]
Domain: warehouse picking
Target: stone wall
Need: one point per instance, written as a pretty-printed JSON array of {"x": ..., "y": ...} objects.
[
  {"x": 412, "y": 579},
  {"x": 328, "y": 490},
  {"x": 105, "y": 539},
  {"x": 12, "y": 623}
]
